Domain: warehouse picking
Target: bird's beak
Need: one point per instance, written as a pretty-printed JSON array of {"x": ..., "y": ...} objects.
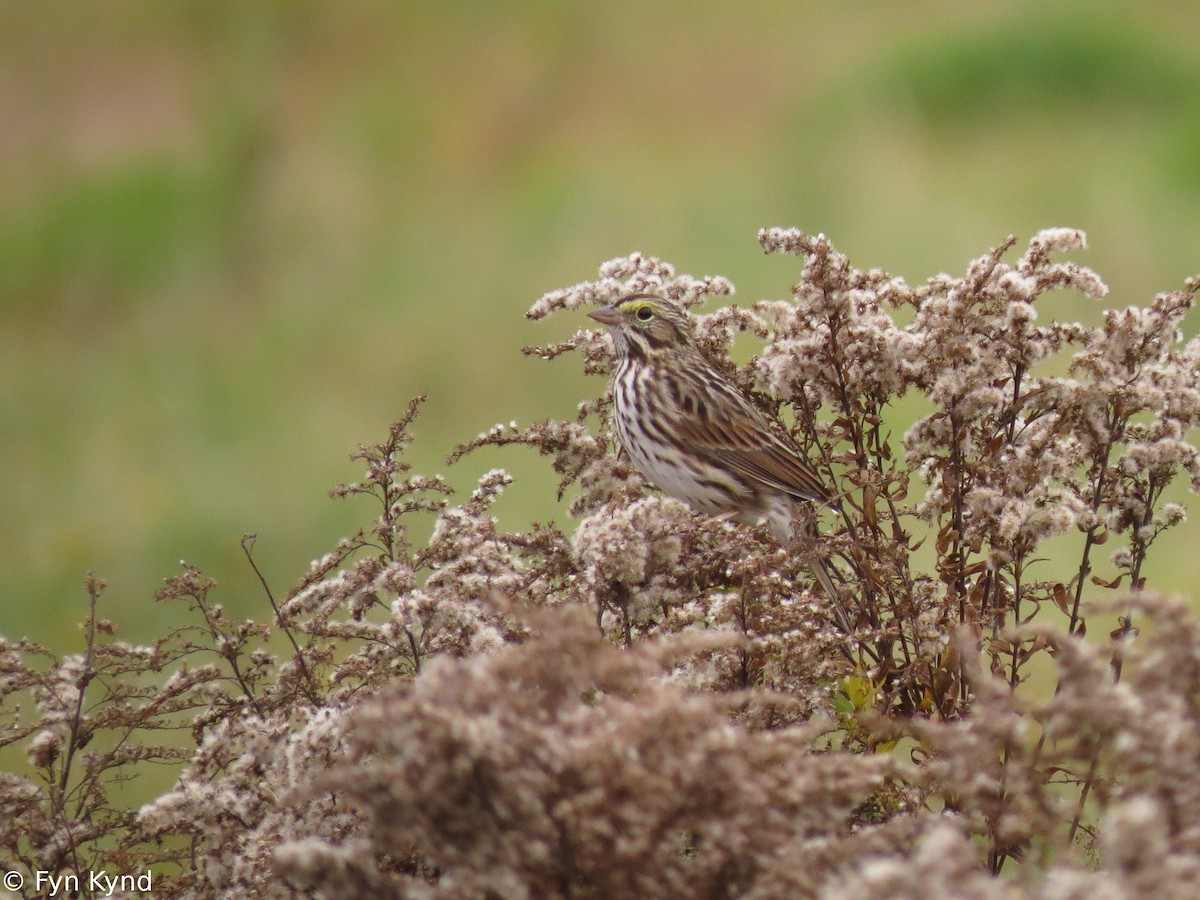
[{"x": 606, "y": 315}]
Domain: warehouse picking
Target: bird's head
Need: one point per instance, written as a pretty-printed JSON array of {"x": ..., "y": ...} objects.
[{"x": 645, "y": 325}]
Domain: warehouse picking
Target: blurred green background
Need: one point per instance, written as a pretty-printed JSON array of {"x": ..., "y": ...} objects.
[{"x": 236, "y": 238}]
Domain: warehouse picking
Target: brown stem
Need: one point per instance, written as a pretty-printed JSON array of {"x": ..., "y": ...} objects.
[
  {"x": 309, "y": 683},
  {"x": 1083, "y": 796}
]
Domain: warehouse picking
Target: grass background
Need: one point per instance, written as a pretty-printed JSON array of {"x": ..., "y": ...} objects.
[{"x": 236, "y": 238}]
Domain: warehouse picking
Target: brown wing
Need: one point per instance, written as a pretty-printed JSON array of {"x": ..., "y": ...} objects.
[{"x": 720, "y": 424}]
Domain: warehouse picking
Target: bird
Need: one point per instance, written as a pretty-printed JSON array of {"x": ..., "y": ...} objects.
[{"x": 691, "y": 432}]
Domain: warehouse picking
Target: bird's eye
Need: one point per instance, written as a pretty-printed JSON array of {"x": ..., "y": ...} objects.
[{"x": 645, "y": 314}]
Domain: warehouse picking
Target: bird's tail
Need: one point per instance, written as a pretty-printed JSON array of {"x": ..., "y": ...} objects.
[
  {"x": 800, "y": 525},
  {"x": 820, "y": 570}
]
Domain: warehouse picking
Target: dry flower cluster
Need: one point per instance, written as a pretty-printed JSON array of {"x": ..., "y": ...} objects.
[{"x": 654, "y": 704}]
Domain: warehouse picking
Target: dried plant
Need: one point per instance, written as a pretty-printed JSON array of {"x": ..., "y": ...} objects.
[{"x": 646, "y": 702}]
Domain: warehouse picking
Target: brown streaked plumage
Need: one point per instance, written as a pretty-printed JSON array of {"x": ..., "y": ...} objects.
[{"x": 691, "y": 432}]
